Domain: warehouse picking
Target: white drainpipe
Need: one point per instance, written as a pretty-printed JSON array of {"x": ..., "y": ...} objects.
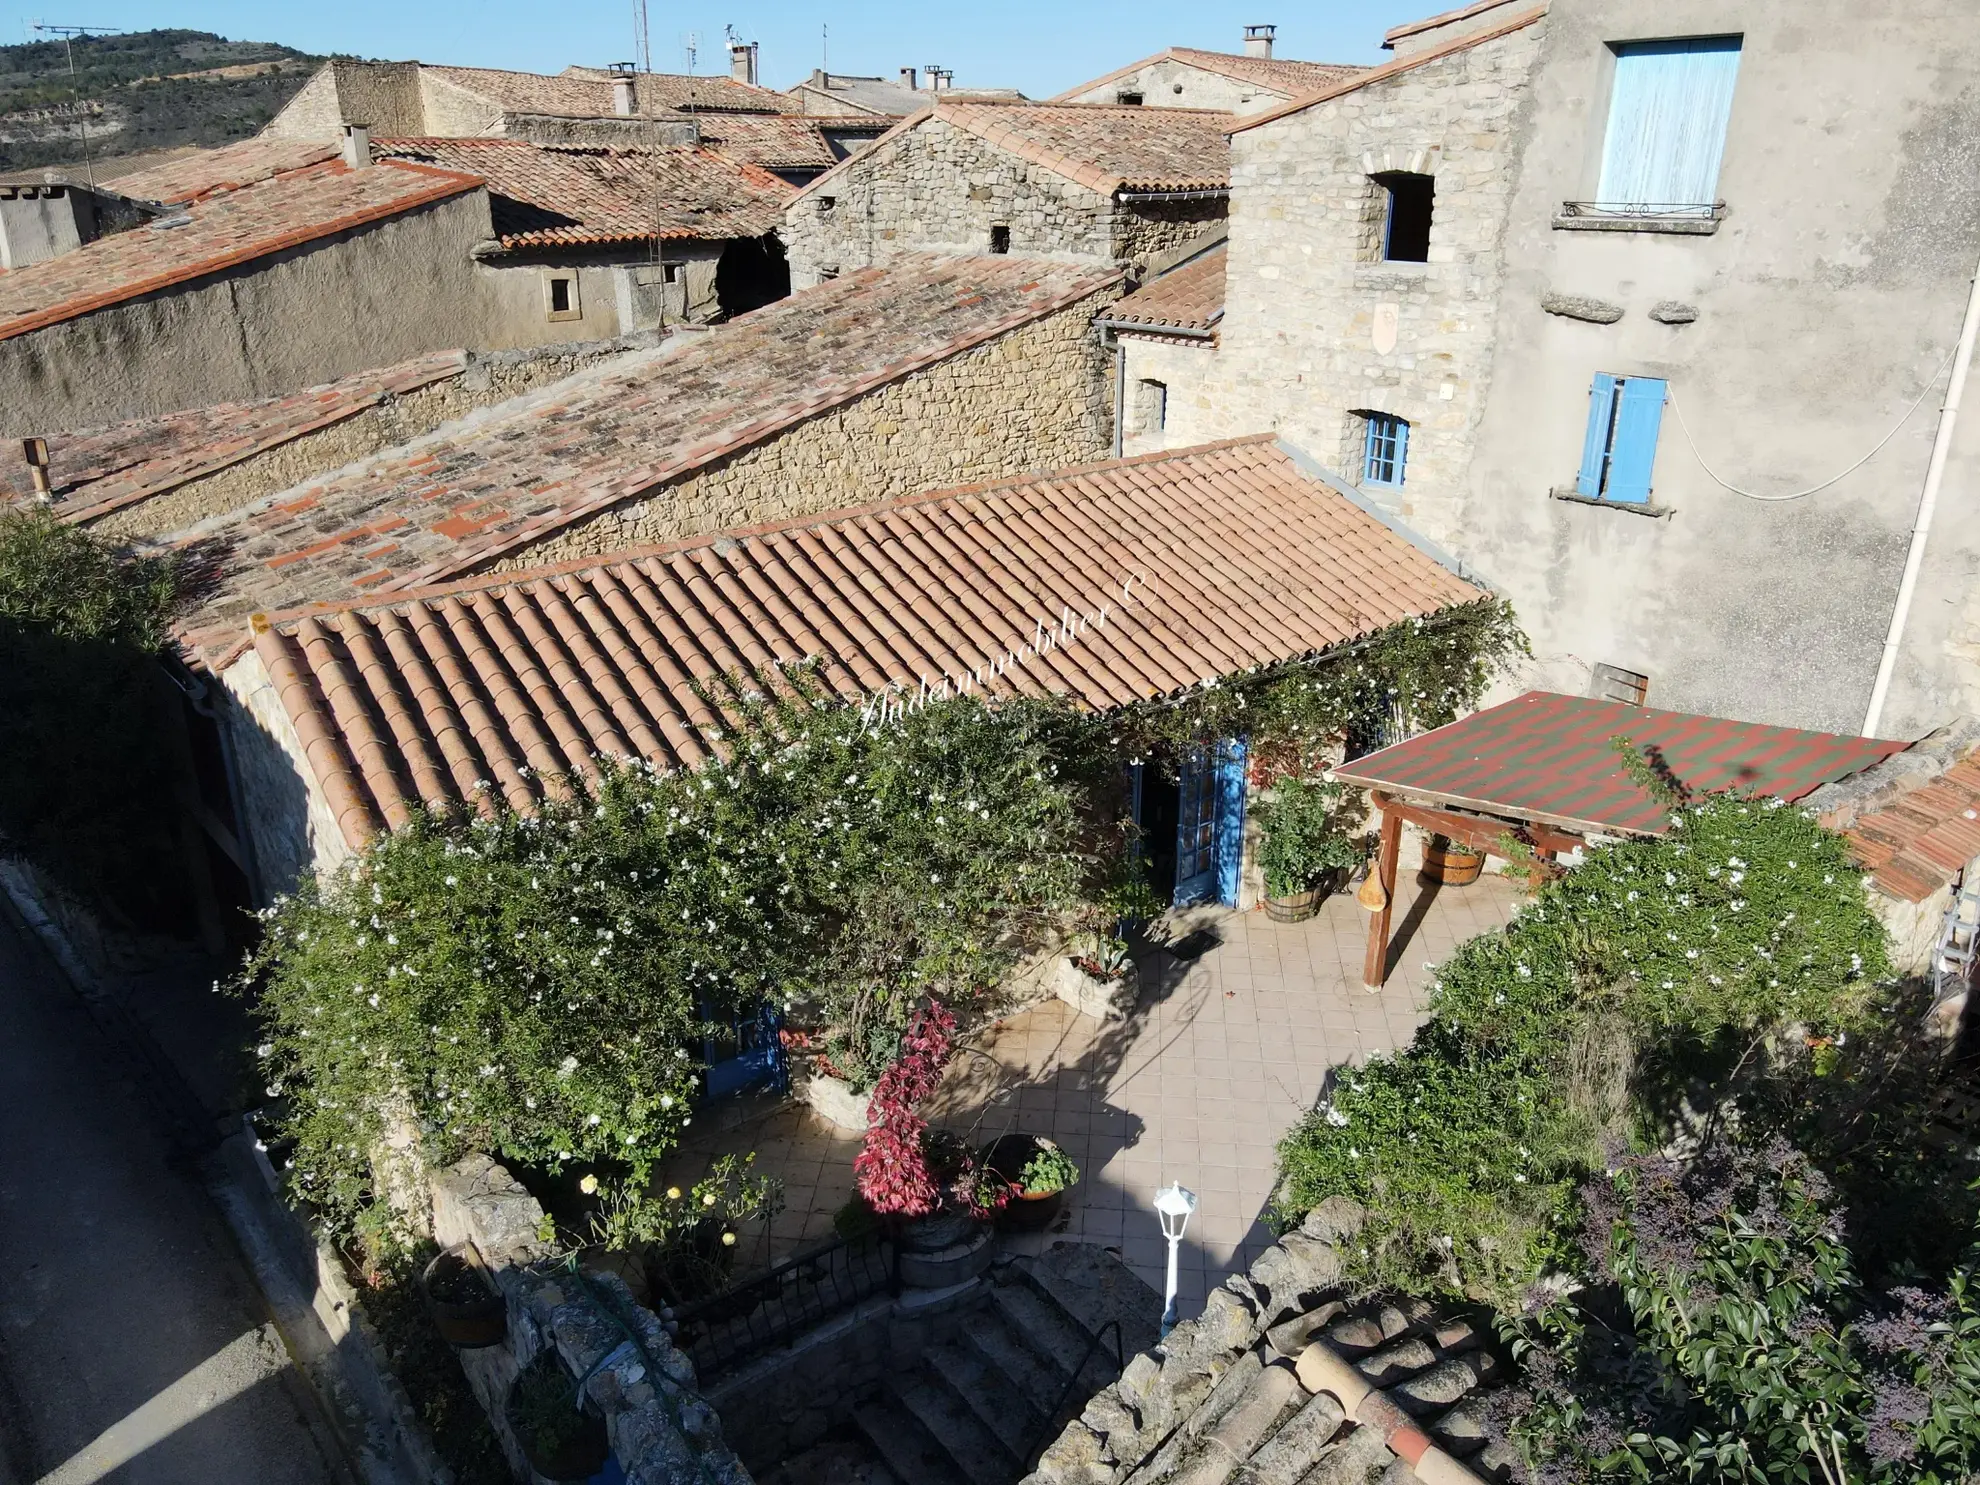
[{"x": 1935, "y": 474}]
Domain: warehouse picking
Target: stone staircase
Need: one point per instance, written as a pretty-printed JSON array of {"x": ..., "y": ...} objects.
[{"x": 976, "y": 1408}]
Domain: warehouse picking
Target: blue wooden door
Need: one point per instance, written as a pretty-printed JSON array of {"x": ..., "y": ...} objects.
[
  {"x": 746, "y": 1052},
  {"x": 1196, "y": 828},
  {"x": 1230, "y": 819}
]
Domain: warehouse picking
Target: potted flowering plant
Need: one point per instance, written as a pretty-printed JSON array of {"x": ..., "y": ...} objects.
[
  {"x": 928, "y": 1181},
  {"x": 1307, "y": 850},
  {"x": 467, "y": 1309},
  {"x": 1037, "y": 1173}
]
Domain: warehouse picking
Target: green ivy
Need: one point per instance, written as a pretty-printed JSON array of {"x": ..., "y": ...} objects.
[{"x": 1745, "y": 917}]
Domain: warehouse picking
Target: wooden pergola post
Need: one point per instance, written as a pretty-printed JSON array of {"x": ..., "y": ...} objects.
[{"x": 1375, "y": 970}]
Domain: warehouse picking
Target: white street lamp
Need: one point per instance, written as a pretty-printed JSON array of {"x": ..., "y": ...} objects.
[{"x": 1173, "y": 1204}]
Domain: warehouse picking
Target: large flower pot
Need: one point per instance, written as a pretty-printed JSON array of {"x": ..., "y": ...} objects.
[
  {"x": 942, "y": 1228},
  {"x": 576, "y": 1458},
  {"x": 834, "y": 1101},
  {"x": 1300, "y": 906},
  {"x": 1025, "y": 1211},
  {"x": 467, "y": 1309},
  {"x": 1104, "y": 1000},
  {"x": 1451, "y": 865}
]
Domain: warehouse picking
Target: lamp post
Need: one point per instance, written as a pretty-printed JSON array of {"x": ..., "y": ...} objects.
[{"x": 1173, "y": 1204}]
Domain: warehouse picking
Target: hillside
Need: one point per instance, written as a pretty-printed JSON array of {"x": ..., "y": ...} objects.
[{"x": 144, "y": 91}]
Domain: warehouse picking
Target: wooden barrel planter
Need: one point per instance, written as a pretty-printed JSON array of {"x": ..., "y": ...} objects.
[
  {"x": 1301, "y": 906},
  {"x": 1450, "y": 864},
  {"x": 467, "y": 1309}
]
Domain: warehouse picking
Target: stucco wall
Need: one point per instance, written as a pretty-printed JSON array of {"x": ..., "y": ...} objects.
[
  {"x": 939, "y": 187},
  {"x": 485, "y": 381},
  {"x": 369, "y": 297},
  {"x": 1305, "y": 288},
  {"x": 286, "y": 817},
  {"x": 1173, "y": 84},
  {"x": 453, "y": 112},
  {"x": 1826, "y": 301},
  {"x": 1037, "y": 398},
  {"x": 1185, "y": 368}
]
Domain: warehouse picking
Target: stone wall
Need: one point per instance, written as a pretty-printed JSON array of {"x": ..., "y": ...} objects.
[
  {"x": 449, "y": 111},
  {"x": 486, "y": 379},
  {"x": 1148, "y": 229},
  {"x": 1310, "y": 308},
  {"x": 1186, "y": 368},
  {"x": 288, "y": 823},
  {"x": 1039, "y": 397},
  {"x": 941, "y": 188}
]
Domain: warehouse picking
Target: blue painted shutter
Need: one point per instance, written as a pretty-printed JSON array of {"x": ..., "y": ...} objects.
[
  {"x": 1230, "y": 819},
  {"x": 1667, "y": 122},
  {"x": 1595, "y": 445},
  {"x": 1639, "y": 415},
  {"x": 1402, "y": 449}
]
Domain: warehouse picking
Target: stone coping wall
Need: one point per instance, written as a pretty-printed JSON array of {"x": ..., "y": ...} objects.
[
  {"x": 663, "y": 1431},
  {"x": 1218, "y": 1399}
]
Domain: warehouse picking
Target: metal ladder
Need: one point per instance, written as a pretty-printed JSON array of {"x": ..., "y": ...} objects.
[{"x": 1959, "y": 944}]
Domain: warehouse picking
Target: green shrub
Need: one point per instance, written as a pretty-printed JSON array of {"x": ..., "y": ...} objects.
[
  {"x": 1307, "y": 833},
  {"x": 87, "y": 793},
  {"x": 1633, "y": 969}
]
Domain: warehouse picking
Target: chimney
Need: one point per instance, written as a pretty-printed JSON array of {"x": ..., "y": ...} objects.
[
  {"x": 357, "y": 146},
  {"x": 910, "y": 78},
  {"x": 742, "y": 62},
  {"x": 1258, "y": 40},
  {"x": 939, "y": 78},
  {"x": 622, "y": 96}
]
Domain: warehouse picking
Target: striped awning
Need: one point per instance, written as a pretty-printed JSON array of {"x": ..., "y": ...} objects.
[{"x": 1552, "y": 759}]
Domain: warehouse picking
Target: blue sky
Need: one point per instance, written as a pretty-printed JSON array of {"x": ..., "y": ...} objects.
[{"x": 1037, "y": 45}]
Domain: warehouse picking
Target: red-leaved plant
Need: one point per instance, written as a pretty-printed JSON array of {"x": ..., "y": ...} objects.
[{"x": 892, "y": 1164}]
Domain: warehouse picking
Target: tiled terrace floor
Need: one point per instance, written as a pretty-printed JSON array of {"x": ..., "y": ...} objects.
[{"x": 1219, "y": 1060}]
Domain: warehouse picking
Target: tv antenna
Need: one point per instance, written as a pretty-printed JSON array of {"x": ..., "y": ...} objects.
[
  {"x": 691, "y": 48},
  {"x": 642, "y": 45},
  {"x": 69, "y": 35}
]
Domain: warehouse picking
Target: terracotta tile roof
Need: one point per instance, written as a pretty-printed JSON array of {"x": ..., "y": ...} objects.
[
  {"x": 1518, "y": 21},
  {"x": 1102, "y": 146},
  {"x": 1550, "y": 758},
  {"x": 1187, "y": 298},
  {"x": 216, "y": 233},
  {"x": 1918, "y": 843},
  {"x": 586, "y": 92},
  {"x": 96, "y": 471},
  {"x": 1442, "y": 18},
  {"x": 556, "y": 194},
  {"x": 781, "y": 142},
  {"x": 1279, "y": 75},
  {"x": 228, "y": 168},
  {"x": 463, "y": 495},
  {"x": 1235, "y": 560}
]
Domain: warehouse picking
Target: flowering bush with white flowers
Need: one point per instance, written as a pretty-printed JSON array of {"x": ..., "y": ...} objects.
[
  {"x": 538, "y": 986},
  {"x": 1595, "y": 1011}
]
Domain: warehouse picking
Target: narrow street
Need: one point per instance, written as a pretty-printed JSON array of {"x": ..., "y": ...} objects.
[{"x": 133, "y": 1345}]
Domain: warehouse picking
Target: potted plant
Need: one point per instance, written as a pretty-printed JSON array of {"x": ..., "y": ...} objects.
[
  {"x": 1097, "y": 978},
  {"x": 1038, "y": 1173},
  {"x": 1307, "y": 851},
  {"x": 1450, "y": 864},
  {"x": 559, "y": 1439},
  {"x": 467, "y": 1308}
]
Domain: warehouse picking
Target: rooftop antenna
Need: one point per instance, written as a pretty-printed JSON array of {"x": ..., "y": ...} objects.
[
  {"x": 691, "y": 48},
  {"x": 642, "y": 45},
  {"x": 68, "y": 35},
  {"x": 824, "y": 47}
]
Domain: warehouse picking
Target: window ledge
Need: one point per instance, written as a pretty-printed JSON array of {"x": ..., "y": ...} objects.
[
  {"x": 1575, "y": 497},
  {"x": 1585, "y": 216},
  {"x": 1398, "y": 271}
]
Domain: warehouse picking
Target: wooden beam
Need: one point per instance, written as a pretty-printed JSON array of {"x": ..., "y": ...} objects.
[
  {"x": 1375, "y": 969},
  {"x": 1480, "y": 832}
]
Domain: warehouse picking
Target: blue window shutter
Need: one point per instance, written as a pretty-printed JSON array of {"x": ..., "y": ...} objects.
[
  {"x": 1639, "y": 415},
  {"x": 1402, "y": 449},
  {"x": 1230, "y": 819},
  {"x": 1668, "y": 112},
  {"x": 1595, "y": 446}
]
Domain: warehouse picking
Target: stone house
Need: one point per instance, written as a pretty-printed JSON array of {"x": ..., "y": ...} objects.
[
  {"x": 579, "y": 106},
  {"x": 836, "y": 93},
  {"x": 258, "y": 270},
  {"x": 345, "y": 715},
  {"x": 1738, "y": 531},
  {"x": 1164, "y": 336},
  {"x": 1244, "y": 82},
  {"x": 1076, "y": 181},
  {"x": 602, "y": 242}
]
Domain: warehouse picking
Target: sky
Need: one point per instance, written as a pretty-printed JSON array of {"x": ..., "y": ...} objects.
[{"x": 1039, "y": 46}]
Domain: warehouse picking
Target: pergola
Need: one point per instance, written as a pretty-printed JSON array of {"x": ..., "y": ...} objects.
[{"x": 1544, "y": 769}]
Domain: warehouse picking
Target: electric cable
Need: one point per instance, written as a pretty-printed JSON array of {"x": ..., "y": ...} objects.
[{"x": 1723, "y": 483}]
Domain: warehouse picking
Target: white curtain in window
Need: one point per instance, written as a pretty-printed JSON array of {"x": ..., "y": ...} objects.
[{"x": 1667, "y": 122}]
